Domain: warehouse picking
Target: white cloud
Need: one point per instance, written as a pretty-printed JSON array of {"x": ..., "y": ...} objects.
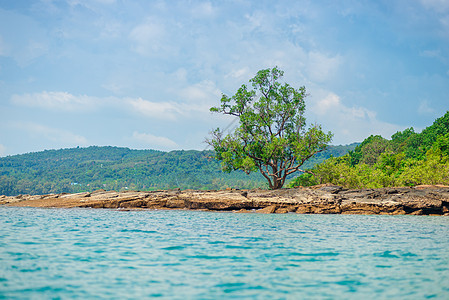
[
  {"x": 255, "y": 20},
  {"x": 105, "y": 1},
  {"x": 2, "y": 150},
  {"x": 204, "y": 10},
  {"x": 321, "y": 67},
  {"x": 445, "y": 24},
  {"x": 239, "y": 73},
  {"x": 441, "y": 8},
  {"x": 153, "y": 142},
  {"x": 180, "y": 74},
  {"x": 199, "y": 98},
  {"x": 201, "y": 92},
  {"x": 425, "y": 108},
  {"x": 27, "y": 54},
  {"x": 27, "y": 42},
  {"x": 183, "y": 46},
  {"x": 59, "y": 136},
  {"x": 89, "y": 3},
  {"x": 430, "y": 53},
  {"x": 159, "y": 110},
  {"x": 116, "y": 88},
  {"x": 61, "y": 101},
  {"x": 323, "y": 106},
  {"x": 349, "y": 124},
  {"x": 196, "y": 98},
  {"x": 109, "y": 29},
  {"x": 437, "y": 5},
  {"x": 148, "y": 37}
]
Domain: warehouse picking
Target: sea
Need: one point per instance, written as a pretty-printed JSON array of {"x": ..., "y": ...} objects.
[{"x": 179, "y": 254}]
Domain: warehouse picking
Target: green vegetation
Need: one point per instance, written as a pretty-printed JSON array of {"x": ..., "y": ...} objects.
[
  {"x": 111, "y": 168},
  {"x": 272, "y": 137},
  {"x": 408, "y": 159}
]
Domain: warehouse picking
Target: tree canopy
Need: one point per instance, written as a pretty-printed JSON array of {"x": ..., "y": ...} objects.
[{"x": 272, "y": 136}]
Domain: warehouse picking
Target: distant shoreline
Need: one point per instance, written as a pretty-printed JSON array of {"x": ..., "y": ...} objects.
[{"x": 322, "y": 199}]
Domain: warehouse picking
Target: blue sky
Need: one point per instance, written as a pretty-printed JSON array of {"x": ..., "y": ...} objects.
[{"x": 143, "y": 74}]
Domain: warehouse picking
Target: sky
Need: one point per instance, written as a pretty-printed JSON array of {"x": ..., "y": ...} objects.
[{"x": 143, "y": 74}]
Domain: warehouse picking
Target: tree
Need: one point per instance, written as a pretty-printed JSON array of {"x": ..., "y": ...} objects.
[
  {"x": 369, "y": 150},
  {"x": 271, "y": 136}
]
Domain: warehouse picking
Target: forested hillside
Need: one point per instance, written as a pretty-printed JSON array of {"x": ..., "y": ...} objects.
[
  {"x": 113, "y": 168},
  {"x": 408, "y": 159}
]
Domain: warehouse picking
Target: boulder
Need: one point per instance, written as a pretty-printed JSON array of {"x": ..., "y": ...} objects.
[{"x": 267, "y": 210}]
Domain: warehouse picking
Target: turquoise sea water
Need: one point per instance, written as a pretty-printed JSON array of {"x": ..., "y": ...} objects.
[{"x": 86, "y": 253}]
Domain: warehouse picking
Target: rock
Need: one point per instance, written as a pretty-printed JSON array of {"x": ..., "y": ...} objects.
[
  {"x": 282, "y": 210},
  {"x": 356, "y": 208},
  {"x": 333, "y": 189},
  {"x": 303, "y": 209},
  {"x": 427, "y": 186},
  {"x": 242, "y": 211},
  {"x": 323, "y": 199},
  {"x": 133, "y": 204},
  {"x": 267, "y": 210},
  {"x": 217, "y": 204},
  {"x": 286, "y": 209},
  {"x": 175, "y": 203},
  {"x": 77, "y": 195},
  {"x": 399, "y": 211},
  {"x": 319, "y": 209}
]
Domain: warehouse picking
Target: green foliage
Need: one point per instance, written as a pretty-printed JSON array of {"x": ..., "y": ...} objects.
[
  {"x": 305, "y": 179},
  {"x": 439, "y": 128},
  {"x": 272, "y": 137},
  {"x": 408, "y": 159},
  {"x": 331, "y": 151},
  {"x": 112, "y": 168},
  {"x": 369, "y": 150},
  {"x": 334, "y": 152}
]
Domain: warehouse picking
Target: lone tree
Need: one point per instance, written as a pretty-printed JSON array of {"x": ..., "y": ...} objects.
[{"x": 271, "y": 136}]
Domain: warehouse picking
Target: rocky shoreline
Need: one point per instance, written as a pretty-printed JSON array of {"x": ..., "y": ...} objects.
[{"x": 323, "y": 199}]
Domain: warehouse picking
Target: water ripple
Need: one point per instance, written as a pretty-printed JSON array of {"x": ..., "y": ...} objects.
[{"x": 84, "y": 253}]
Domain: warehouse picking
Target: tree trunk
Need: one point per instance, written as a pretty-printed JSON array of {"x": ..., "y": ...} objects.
[{"x": 277, "y": 182}]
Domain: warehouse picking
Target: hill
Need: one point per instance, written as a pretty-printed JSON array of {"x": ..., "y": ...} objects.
[{"x": 114, "y": 168}]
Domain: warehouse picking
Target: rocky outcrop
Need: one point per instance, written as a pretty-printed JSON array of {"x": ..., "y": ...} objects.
[{"x": 322, "y": 199}]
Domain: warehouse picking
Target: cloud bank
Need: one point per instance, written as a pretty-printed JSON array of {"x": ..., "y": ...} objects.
[
  {"x": 151, "y": 141},
  {"x": 119, "y": 73}
]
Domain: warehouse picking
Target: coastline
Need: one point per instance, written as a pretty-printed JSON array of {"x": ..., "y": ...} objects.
[{"x": 322, "y": 199}]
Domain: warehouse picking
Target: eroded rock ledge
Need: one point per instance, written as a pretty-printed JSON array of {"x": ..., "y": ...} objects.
[{"x": 323, "y": 199}]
